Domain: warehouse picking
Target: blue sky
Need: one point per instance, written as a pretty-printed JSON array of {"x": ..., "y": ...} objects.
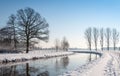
[{"x": 68, "y": 18}]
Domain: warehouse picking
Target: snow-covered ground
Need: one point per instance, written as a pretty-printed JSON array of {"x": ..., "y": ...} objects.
[
  {"x": 107, "y": 65},
  {"x": 4, "y": 58}
]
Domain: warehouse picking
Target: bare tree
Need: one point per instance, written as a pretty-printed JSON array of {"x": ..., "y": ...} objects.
[
  {"x": 108, "y": 35},
  {"x": 12, "y": 24},
  {"x": 102, "y": 38},
  {"x": 115, "y": 37},
  {"x": 95, "y": 36},
  {"x": 65, "y": 44},
  {"x": 31, "y": 25},
  {"x": 88, "y": 37},
  {"x": 57, "y": 45}
]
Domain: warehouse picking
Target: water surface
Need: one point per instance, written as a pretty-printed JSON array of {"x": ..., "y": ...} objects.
[{"x": 48, "y": 66}]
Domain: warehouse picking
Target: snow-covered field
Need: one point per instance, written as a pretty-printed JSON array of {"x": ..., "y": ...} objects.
[
  {"x": 107, "y": 65},
  {"x": 4, "y": 58}
]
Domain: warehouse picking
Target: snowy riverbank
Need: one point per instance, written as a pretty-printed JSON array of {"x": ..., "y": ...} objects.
[
  {"x": 107, "y": 65},
  {"x": 6, "y": 58}
]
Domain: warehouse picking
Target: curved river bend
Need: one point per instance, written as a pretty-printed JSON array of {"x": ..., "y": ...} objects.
[{"x": 48, "y": 67}]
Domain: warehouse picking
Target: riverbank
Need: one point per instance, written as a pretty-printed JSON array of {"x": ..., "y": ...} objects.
[
  {"x": 33, "y": 55},
  {"x": 107, "y": 65}
]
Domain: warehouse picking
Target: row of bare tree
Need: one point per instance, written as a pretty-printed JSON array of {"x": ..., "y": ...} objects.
[
  {"x": 102, "y": 36},
  {"x": 63, "y": 45},
  {"x": 25, "y": 25}
]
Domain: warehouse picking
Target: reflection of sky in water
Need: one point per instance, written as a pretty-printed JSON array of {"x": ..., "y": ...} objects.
[{"x": 51, "y": 66}]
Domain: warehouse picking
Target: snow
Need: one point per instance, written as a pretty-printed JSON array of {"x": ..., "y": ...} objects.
[
  {"x": 31, "y": 55},
  {"x": 107, "y": 65}
]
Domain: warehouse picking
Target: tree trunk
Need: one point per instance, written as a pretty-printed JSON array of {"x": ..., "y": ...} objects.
[
  {"x": 27, "y": 46},
  {"x": 96, "y": 45},
  {"x": 90, "y": 46},
  {"x": 15, "y": 40},
  {"x": 114, "y": 46},
  {"x": 102, "y": 47},
  {"x": 108, "y": 45}
]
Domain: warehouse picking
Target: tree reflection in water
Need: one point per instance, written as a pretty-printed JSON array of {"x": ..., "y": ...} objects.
[
  {"x": 96, "y": 56},
  {"x": 57, "y": 65},
  {"x": 8, "y": 71},
  {"x": 21, "y": 70},
  {"x": 90, "y": 57},
  {"x": 27, "y": 69},
  {"x": 64, "y": 61},
  {"x": 46, "y": 73},
  {"x": 30, "y": 70}
]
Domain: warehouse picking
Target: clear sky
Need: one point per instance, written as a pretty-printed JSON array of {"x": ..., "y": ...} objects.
[{"x": 68, "y": 18}]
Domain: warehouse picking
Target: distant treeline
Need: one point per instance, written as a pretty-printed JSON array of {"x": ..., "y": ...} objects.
[{"x": 103, "y": 36}]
